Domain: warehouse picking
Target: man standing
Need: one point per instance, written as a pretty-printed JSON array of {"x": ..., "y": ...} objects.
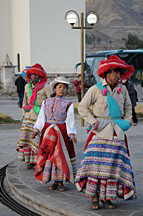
[
  {"x": 77, "y": 86},
  {"x": 20, "y": 84},
  {"x": 134, "y": 98}
]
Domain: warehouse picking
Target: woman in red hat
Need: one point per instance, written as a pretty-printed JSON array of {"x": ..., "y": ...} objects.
[
  {"x": 105, "y": 172},
  {"x": 36, "y": 90}
]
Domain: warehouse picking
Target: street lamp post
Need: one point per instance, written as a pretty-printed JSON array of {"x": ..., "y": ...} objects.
[{"x": 77, "y": 22}]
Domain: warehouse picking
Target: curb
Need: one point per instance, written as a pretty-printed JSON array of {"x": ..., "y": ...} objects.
[
  {"x": 46, "y": 205},
  {"x": 24, "y": 194}
]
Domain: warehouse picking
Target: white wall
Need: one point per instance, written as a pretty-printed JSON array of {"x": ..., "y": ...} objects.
[
  {"x": 21, "y": 32},
  {"x": 5, "y": 33},
  {"x": 53, "y": 43},
  {"x": 38, "y": 31}
]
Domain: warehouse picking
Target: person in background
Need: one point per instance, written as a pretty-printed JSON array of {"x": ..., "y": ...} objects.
[
  {"x": 133, "y": 96},
  {"x": 106, "y": 172},
  {"x": 20, "y": 84},
  {"x": 77, "y": 86},
  {"x": 56, "y": 124},
  {"x": 36, "y": 90}
]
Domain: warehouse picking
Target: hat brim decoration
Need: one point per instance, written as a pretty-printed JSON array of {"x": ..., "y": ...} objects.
[
  {"x": 114, "y": 62},
  {"x": 59, "y": 80},
  {"x": 38, "y": 70}
]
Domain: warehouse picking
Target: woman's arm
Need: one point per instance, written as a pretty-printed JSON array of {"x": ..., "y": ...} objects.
[
  {"x": 41, "y": 119},
  {"x": 70, "y": 124},
  {"x": 85, "y": 104},
  {"x": 70, "y": 120}
]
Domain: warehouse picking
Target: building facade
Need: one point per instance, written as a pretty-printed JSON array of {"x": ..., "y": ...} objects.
[{"x": 37, "y": 30}]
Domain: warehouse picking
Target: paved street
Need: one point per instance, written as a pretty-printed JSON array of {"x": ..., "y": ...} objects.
[
  {"x": 4, "y": 211},
  {"x": 80, "y": 204},
  {"x": 8, "y": 137},
  {"x": 10, "y": 108}
]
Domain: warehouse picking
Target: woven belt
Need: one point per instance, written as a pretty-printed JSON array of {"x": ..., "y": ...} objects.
[
  {"x": 108, "y": 117},
  {"x": 104, "y": 117},
  {"x": 55, "y": 122}
]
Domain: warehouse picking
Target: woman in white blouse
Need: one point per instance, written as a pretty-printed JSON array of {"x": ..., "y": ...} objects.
[{"x": 56, "y": 126}]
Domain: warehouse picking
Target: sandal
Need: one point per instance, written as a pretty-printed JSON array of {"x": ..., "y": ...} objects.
[
  {"x": 109, "y": 205},
  {"x": 30, "y": 166},
  {"x": 53, "y": 186},
  {"x": 95, "y": 204},
  {"x": 61, "y": 187}
]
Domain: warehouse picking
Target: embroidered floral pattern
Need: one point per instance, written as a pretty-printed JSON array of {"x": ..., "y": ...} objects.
[
  {"x": 104, "y": 92},
  {"x": 119, "y": 90}
]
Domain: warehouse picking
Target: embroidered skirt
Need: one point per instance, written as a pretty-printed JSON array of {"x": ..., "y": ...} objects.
[
  {"x": 106, "y": 170},
  {"x": 56, "y": 155},
  {"x": 26, "y": 146}
]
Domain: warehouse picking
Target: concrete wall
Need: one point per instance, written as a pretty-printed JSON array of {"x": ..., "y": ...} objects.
[
  {"x": 38, "y": 31},
  {"x": 53, "y": 43},
  {"x": 21, "y": 32},
  {"x": 5, "y": 33}
]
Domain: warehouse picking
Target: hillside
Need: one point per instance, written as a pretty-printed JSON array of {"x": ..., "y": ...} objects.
[{"x": 117, "y": 18}]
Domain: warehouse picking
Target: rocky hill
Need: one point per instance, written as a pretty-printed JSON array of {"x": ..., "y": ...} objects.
[{"x": 116, "y": 19}]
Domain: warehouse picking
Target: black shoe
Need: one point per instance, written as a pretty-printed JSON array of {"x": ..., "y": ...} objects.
[
  {"x": 30, "y": 166},
  {"x": 61, "y": 187},
  {"x": 95, "y": 204},
  {"x": 53, "y": 186},
  {"x": 108, "y": 204}
]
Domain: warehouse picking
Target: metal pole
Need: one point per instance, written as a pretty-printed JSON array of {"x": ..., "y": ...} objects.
[
  {"x": 82, "y": 58},
  {"x": 18, "y": 61},
  {"x": 82, "y": 54}
]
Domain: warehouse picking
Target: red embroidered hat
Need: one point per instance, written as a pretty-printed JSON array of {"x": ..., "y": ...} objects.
[
  {"x": 38, "y": 70},
  {"x": 114, "y": 62}
]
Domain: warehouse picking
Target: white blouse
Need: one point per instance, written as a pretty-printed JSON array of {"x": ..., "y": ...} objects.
[{"x": 70, "y": 120}]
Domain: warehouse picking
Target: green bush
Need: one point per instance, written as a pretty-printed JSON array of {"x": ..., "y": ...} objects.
[{"x": 6, "y": 119}]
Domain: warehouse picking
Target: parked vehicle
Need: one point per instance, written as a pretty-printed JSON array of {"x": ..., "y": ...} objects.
[{"x": 133, "y": 57}]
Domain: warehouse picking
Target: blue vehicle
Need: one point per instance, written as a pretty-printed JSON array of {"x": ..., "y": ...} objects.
[{"x": 133, "y": 57}]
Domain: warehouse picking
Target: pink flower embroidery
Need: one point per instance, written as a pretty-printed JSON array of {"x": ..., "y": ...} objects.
[
  {"x": 119, "y": 90},
  {"x": 104, "y": 91}
]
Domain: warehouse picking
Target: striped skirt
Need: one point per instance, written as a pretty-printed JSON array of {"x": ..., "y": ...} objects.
[
  {"x": 26, "y": 146},
  {"x": 56, "y": 155},
  {"x": 106, "y": 170}
]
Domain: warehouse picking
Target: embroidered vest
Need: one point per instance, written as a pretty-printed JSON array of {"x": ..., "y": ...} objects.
[{"x": 56, "y": 109}]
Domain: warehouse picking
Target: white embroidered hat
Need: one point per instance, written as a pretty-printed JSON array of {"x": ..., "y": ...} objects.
[{"x": 59, "y": 79}]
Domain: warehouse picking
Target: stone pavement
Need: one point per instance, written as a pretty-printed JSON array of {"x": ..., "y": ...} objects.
[{"x": 70, "y": 203}]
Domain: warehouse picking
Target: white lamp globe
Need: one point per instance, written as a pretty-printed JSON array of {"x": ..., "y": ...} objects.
[
  {"x": 92, "y": 18},
  {"x": 71, "y": 17}
]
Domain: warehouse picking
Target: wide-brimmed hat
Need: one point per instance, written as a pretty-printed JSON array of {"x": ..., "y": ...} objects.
[
  {"x": 38, "y": 70},
  {"x": 59, "y": 79},
  {"x": 114, "y": 62}
]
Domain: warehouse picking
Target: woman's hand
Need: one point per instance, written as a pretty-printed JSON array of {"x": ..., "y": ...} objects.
[
  {"x": 100, "y": 124},
  {"x": 34, "y": 134},
  {"x": 73, "y": 138}
]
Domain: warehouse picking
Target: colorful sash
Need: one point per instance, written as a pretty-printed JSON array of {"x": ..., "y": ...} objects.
[
  {"x": 114, "y": 109},
  {"x": 33, "y": 94}
]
